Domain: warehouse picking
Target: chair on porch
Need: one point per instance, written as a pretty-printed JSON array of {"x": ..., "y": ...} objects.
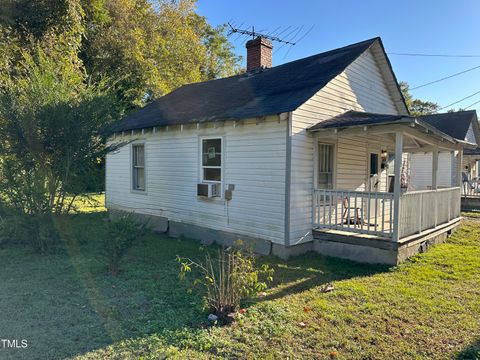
[{"x": 356, "y": 219}]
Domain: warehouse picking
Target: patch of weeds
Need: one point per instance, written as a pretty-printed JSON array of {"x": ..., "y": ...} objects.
[{"x": 227, "y": 279}]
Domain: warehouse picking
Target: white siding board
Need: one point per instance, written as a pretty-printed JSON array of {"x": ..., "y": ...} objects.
[
  {"x": 421, "y": 170},
  {"x": 254, "y": 160},
  {"x": 470, "y": 136}
]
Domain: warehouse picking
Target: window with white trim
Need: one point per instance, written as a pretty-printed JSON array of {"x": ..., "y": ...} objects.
[
  {"x": 211, "y": 160},
  {"x": 325, "y": 166},
  {"x": 138, "y": 167}
]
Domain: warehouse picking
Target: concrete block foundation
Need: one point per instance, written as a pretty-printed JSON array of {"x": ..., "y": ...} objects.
[
  {"x": 369, "y": 249},
  {"x": 351, "y": 246}
]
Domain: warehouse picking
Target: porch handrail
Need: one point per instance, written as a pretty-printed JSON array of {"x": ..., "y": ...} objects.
[
  {"x": 428, "y": 191},
  {"x": 426, "y": 209},
  {"x": 372, "y": 213},
  {"x": 362, "y": 212},
  {"x": 471, "y": 189}
]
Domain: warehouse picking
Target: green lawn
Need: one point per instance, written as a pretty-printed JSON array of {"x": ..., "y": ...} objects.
[{"x": 66, "y": 306}]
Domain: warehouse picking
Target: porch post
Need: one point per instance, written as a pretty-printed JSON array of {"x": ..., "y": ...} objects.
[
  {"x": 459, "y": 167},
  {"x": 397, "y": 183},
  {"x": 434, "y": 167}
]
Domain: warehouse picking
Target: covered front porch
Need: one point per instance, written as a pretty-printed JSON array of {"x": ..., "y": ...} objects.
[
  {"x": 369, "y": 201},
  {"x": 373, "y": 213},
  {"x": 471, "y": 180}
]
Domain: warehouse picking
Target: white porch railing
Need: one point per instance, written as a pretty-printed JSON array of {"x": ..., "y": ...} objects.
[
  {"x": 373, "y": 212},
  {"x": 354, "y": 211},
  {"x": 422, "y": 210},
  {"x": 471, "y": 189}
]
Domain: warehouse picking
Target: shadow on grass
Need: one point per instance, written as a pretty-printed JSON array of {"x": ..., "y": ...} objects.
[
  {"x": 311, "y": 270},
  {"x": 68, "y": 305},
  {"x": 472, "y": 352}
]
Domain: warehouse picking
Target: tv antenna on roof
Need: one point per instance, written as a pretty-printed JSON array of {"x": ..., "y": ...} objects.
[{"x": 253, "y": 34}]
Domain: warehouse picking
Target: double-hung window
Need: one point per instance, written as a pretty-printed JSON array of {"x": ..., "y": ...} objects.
[
  {"x": 325, "y": 166},
  {"x": 211, "y": 166},
  {"x": 138, "y": 167}
]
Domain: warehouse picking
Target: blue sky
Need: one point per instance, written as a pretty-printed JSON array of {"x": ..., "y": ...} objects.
[{"x": 407, "y": 26}]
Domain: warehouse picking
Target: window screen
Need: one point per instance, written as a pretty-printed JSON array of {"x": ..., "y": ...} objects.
[
  {"x": 325, "y": 166},
  {"x": 138, "y": 167}
]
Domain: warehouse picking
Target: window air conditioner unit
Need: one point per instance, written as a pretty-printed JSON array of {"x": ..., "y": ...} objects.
[{"x": 208, "y": 189}]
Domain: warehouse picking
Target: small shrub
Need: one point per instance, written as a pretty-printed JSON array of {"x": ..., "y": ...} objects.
[
  {"x": 122, "y": 232},
  {"x": 228, "y": 279},
  {"x": 36, "y": 231},
  {"x": 43, "y": 236}
]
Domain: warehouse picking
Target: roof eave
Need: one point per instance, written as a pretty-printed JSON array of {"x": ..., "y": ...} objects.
[
  {"x": 437, "y": 132},
  {"x": 467, "y": 144},
  {"x": 394, "y": 77},
  {"x": 404, "y": 121}
]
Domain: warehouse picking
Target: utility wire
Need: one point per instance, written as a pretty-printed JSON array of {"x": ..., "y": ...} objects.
[
  {"x": 445, "y": 78},
  {"x": 456, "y": 102},
  {"x": 475, "y": 103},
  {"x": 301, "y": 38},
  {"x": 295, "y": 33},
  {"x": 434, "y": 55}
]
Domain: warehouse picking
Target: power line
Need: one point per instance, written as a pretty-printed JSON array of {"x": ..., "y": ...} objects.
[
  {"x": 301, "y": 38},
  {"x": 434, "y": 55},
  {"x": 469, "y": 106},
  {"x": 274, "y": 31},
  {"x": 445, "y": 78},
  {"x": 456, "y": 102}
]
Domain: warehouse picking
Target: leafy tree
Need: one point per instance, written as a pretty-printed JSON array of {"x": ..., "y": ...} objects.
[
  {"x": 64, "y": 66},
  {"x": 143, "y": 48},
  {"x": 50, "y": 118},
  {"x": 150, "y": 49},
  {"x": 417, "y": 107},
  {"x": 34, "y": 19},
  {"x": 221, "y": 60}
]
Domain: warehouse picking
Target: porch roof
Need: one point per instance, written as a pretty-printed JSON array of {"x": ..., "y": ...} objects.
[
  {"x": 353, "y": 118},
  {"x": 474, "y": 152}
]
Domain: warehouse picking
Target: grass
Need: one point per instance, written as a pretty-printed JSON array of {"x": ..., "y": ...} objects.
[
  {"x": 94, "y": 202},
  {"x": 66, "y": 306},
  {"x": 475, "y": 215}
]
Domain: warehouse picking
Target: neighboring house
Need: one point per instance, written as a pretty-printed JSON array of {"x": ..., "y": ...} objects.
[
  {"x": 471, "y": 163},
  {"x": 462, "y": 125},
  {"x": 471, "y": 180},
  {"x": 294, "y": 158}
]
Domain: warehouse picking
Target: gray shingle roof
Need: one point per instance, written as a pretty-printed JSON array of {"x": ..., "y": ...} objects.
[
  {"x": 455, "y": 124},
  {"x": 472, "y": 151},
  {"x": 271, "y": 91},
  {"x": 360, "y": 118}
]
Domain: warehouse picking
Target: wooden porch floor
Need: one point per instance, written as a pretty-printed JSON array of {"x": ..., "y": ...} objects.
[
  {"x": 362, "y": 228},
  {"x": 379, "y": 241}
]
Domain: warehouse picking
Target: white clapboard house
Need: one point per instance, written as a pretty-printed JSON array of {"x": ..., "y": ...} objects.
[
  {"x": 294, "y": 158},
  {"x": 462, "y": 125}
]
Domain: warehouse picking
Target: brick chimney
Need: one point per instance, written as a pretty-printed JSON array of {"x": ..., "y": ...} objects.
[{"x": 259, "y": 53}]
